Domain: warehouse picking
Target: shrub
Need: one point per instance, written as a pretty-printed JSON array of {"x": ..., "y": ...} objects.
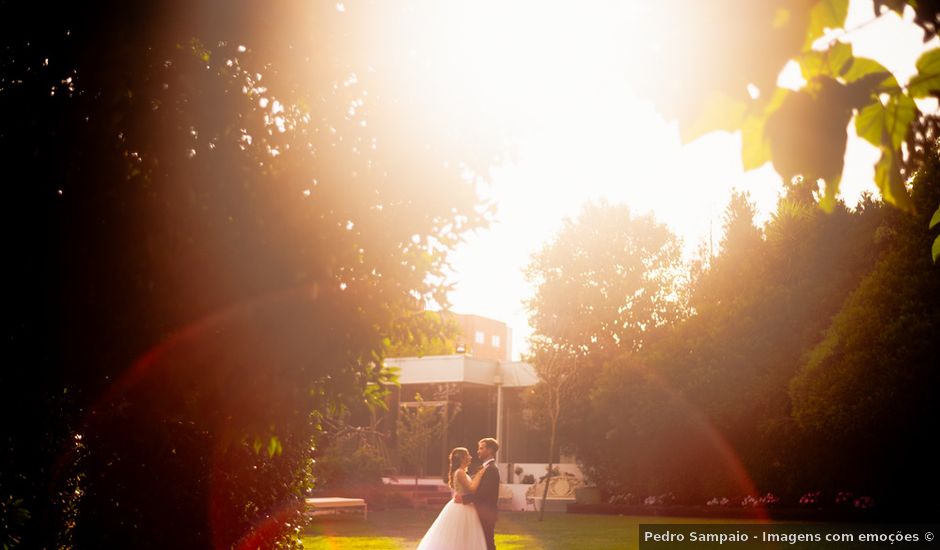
[{"x": 348, "y": 464}]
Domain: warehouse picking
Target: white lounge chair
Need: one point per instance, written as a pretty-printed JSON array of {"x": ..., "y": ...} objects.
[{"x": 313, "y": 506}]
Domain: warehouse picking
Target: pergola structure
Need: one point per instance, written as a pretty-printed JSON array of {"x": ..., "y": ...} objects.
[{"x": 489, "y": 393}]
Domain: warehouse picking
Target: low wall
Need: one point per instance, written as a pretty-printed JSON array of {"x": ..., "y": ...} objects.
[
  {"x": 405, "y": 480},
  {"x": 724, "y": 512},
  {"x": 537, "y": 470},
  {"x": 518, "y": 497}
]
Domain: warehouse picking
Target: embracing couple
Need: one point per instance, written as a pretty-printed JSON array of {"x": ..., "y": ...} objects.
[{"x": 469, "y": 519}]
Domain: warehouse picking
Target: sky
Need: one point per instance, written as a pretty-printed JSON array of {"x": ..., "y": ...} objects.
[{"x": 589, "y": 137}]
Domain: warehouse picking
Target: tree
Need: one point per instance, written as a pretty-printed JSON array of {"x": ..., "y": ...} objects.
[
  {"x": 604, "y": 283},
  {"x": 605, "y": 279},
  {"x": 431, "y": 333},
  {"x": 740, "y": 232},
  {"x": 738, "y": 261},
  {"x": 555, "y": 368},
  {"x": 863, "y": 397},
  {"x": 738, "y": 48},
  {"x": 709, "y": 394},
  {"x": 645, "y": 438},
  {"x": 417, "y": 427},
  {"x": 210, "y": 247},
  {"x": 350, "y": 458}
]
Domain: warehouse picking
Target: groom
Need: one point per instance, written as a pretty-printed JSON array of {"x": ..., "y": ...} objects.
[{"x": 487, "y": 494}]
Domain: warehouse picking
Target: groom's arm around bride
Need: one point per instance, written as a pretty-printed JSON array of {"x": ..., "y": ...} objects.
[
  {"x": 486, "y": 493},
  {"x": 486, "y": 496}
]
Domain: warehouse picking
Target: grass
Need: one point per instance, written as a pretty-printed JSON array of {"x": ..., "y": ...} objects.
[{"x": 400, "y": 529}]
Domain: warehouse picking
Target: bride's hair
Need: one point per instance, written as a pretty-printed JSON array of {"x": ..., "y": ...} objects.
[{"x": 456, "y": 459}]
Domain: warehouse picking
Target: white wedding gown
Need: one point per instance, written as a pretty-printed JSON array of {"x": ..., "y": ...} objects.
[{"x": 457, "y": 527}]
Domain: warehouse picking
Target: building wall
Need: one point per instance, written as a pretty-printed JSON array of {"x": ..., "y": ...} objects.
[
  {"x": 484, "y": 338},
  {"x": 523, "y": 443}
]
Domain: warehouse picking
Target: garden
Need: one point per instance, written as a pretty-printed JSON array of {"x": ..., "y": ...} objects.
[
  {"x": 716, "y": 226},
  {"x": 401, "y": 529}
]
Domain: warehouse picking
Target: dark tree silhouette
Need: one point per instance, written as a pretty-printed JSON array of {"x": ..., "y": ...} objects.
[{"x": 213, "y": 226}]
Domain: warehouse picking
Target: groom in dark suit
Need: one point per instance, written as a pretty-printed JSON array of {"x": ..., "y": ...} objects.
[{"x": 486, "y": 496}]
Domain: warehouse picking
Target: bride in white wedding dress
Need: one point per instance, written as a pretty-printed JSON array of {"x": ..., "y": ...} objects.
[{"x": 458, "y": 526}]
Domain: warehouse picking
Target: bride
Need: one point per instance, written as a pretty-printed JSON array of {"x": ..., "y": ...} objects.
[{"x": 458, "y": 525}]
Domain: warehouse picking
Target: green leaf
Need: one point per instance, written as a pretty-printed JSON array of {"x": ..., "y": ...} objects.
[
  {"x": 888, "y": 179},
  {"x": 256, "y": 445},
  {"x": 935, "y": 219},
  {"x": 927, "y": 79},
  {"x": 869, "y": 123},
  {"x": 755, "y": 149},
  {"x": 828, "y": 201},
  {"x": 812, "y": 64},
  {"x": 838, "y": 57},
  {"x": 886, "y": 124},
  {"x": 720, "y": 112},
  {"x": 900, "y": 112},
  {"x": 832, "y": 62},
  {"x": 861, "y": 67},
  {"x": 826, "y": 14},
  {"x": 935, "y": 249}
]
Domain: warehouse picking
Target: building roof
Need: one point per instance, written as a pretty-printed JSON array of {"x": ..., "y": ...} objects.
[{"x": 438, "y": 369}]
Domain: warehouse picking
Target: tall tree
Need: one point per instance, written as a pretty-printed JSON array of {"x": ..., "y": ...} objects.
[
  {"x": 214, "y": 224},
  {"x": 605, "y": 281},
  {"x": 737, "y": 260},
  {"x": 863, "y": 397},
  {"x": 709, "y": 394}
]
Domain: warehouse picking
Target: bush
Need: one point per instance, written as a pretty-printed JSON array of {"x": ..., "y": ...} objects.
[{"x": 345, "y": 465}]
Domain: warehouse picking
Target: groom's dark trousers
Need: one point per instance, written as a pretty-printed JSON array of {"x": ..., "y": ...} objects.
[{"x": 486, "y": 498}]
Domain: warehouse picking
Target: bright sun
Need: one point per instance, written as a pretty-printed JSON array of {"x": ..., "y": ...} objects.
[{"x": 559, "y": 79}]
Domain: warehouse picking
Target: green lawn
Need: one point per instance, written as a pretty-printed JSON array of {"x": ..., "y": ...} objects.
[{"x": 399, "y": 529}]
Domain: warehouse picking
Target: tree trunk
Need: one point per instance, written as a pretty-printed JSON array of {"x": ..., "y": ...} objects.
[
  {"x": 548, "y": 474},
  {"x": 419, "y": 469},
  {"x": 556, "y": 408}
]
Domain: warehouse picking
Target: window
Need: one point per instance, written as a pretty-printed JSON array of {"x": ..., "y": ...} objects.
[
  {"x": 480, "y": 337},
  {"x": 495, "y": 340}
]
